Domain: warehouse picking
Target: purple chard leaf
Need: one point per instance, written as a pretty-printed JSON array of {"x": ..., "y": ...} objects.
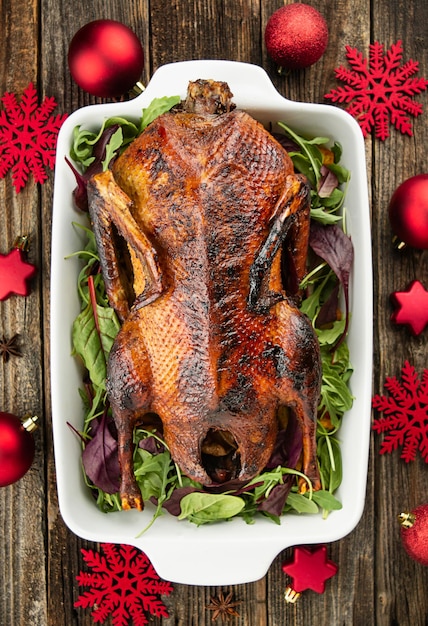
[
  {"x": 100, "y": 458},
  {"x": 172, "y": 505},
  {"x": 288, "y": 445},
  {"x": 287, "y": 452},
  {"x": 275, "y": 502},
  {"x": 328, "y": 311},
  {"x": 335, "y": 247},
  {"x": 152, "y": 445},
  {"x": 80, "y": 195},
  {"x": 327, "y": 183}
]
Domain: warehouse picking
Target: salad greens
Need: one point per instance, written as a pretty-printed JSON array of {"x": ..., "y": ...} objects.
[
  {"x": 321, "y": 166},
  {"x": 275, "y": 491},
  {"x": 83, "y": 149}
]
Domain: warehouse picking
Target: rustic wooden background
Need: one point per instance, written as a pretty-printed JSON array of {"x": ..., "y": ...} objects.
[{"x": 377, "y": 582}]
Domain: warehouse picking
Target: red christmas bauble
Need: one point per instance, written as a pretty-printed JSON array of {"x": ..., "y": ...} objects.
[
  {"x": 414, "y": 533},
  {"x": 408, "y": 212},
  {"x": 105, "y": 58},
  {"x": 16, "y": 447},
  {"x": 296, "y": 36}
]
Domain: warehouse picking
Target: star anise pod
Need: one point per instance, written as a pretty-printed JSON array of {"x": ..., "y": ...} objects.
[
  {"x": 223, "y": 607},
  {"x": 9, "y": 347}
]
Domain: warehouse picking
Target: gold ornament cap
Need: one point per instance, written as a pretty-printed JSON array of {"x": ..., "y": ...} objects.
[
  {"x": 398, "y": 243},
  {"x": 291, "y": 595},
  {"x": 407, "y": 519},
  {"x": 22, "y": 242},
  {"x": 138, "y": 88},
  {"x": 29, "y": 422}
]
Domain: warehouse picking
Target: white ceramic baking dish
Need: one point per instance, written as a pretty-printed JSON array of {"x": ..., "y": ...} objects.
[{"x": 228, "y": 552}]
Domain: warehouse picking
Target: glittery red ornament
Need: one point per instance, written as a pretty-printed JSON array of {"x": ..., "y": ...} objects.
[
  {"x": 309, "y": 568},
  {"x": 296, "y": 36},
  {"x": 378, "y": 89},
  {"x": 404, "y": 422},
  {"x": 123, "y": 584},
  {"x": 105, "y": 58},
  {"x": 28, "y": 136},
  {"x": 414, "y": 533},
  {"x": 412, "y": 307},
  {"x": 15, "y": 272},
  {"x": 408, "y": 212},
  {"x": 16, "y": 447}
]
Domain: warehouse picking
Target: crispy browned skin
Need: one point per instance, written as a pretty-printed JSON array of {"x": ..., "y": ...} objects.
[{"x": 210, "y": 341}]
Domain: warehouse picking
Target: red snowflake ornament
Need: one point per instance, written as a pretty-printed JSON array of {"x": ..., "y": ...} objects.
[
  {"x": 28, "y": 135},
  {"x": 124, "y": 585},
  {"x": 405, "y": 418},
  {"x": 379, "y": 89}
]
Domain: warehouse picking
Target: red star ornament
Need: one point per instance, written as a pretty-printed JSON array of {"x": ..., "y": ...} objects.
[
  {"x": 15, "y": 272},
  {"x": 309, "y": 569},
  {"x": 412, "y": 307}
]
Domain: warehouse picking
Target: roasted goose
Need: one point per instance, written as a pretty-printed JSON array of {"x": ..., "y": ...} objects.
[{"x": 215, "y": 223}]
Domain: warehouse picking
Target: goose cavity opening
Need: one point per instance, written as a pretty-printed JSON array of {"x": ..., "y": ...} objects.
[{"x": 220, "y": 456}]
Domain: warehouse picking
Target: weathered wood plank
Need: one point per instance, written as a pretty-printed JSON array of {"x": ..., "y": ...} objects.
[
  {"x": 212, "y": 29},
  {"x": 22, "y": 506},
  {"x": 400, "y": 583}
]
